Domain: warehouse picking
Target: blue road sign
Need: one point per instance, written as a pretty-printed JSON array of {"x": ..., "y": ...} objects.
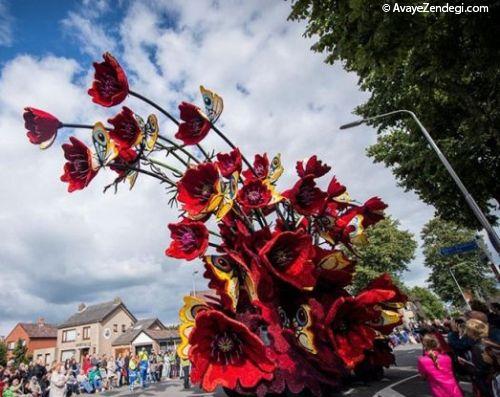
[{"x": 459, "y": 248}]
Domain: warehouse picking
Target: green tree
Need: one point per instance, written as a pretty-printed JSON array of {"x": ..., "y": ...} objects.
[
  {"x": 430, "y": 303},
  {"x": 3, "y": 354},
  {"x": 470, "y": 270},
  {"x": 442, "y": 66},
  {"x": 20, "y": 353},
  {"x": 389, "y": 250}
]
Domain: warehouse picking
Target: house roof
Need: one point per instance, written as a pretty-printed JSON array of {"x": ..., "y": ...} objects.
[
  {"x": 35, "y": 330},
  {"x": 130, "y": 334},
  {"x": 94, "y": 313},
  {"x": 162, "y": 334}
]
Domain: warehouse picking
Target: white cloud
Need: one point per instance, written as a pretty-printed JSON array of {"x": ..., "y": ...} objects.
[
  {"x": 60, "y": 249},
  {"x": 6, "y": 25}
]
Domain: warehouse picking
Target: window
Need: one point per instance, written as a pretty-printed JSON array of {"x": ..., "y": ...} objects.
[
  {"x": 67, "y": 355},
  {"x": 115, "y": 328},
  {"x": 124, "y": 327},
  {"x": 11, "y": 345},
  {"x": 86, "y": 333},
  {"x": 69, "y": 335}
]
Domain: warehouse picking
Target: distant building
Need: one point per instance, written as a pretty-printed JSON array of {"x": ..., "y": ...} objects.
[
  {"x": 149, "y": 334},
  {"x": 39, "y": 338},
  {"x": 92, "y": 329}
]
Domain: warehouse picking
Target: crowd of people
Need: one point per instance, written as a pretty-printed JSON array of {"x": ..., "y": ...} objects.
[
  {"x": 467, "y": 348},
  {"x": 93, "y": 375}
]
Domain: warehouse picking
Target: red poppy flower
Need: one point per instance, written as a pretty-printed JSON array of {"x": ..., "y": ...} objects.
[
  {"x": 42, "y": 127},
  {"x": 195, "y": 127},
  {"x": 110, "y": 86},
  {"x": 288, "y": 255},
  {"x": 260, "y": 166},
  {"x": 197, "y": 187},
  {"x": 254, "y": 194},
  {"x": 126, "y": 132},
  {"x": 306, "y": 198},
  {"x": 312, "y": 166},
  {"x": 347, "y": 324},
  {"x": 335, "y": 188},
  {"x": 78, "y": 171},
  {"x": 373, "y": 211},
  {"x": 224, "y": 352},
  {"x": 229, "y": 163},
  {"x": 189, "y": 239},
  {"x": 384, "y": 281},
  {"x": 126, "y": 157}
]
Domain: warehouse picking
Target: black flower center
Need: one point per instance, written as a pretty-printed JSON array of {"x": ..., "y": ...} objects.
[{"x": 227, "y": 348}]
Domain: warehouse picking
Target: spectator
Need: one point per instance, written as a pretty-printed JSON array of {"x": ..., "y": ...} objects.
[
  {"x": 480, "y": 369},
  {"x": 87, "y": 364},
  {"x": 57, "y": 381},
  {"x": 184, "y": 363},
  {"x": 83, "y": 382},
  {"x": 436, "y": 368}
]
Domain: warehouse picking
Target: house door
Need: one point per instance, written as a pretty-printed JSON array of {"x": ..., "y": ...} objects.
[{"x": 83, "y": 353}]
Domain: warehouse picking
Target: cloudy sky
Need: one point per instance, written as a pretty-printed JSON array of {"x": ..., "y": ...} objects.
[{"x": 59, "y": 249}]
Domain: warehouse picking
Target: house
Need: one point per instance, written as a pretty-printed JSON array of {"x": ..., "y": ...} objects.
[
  {"x": 39, "y": 338},
  {"x": 149, "y": 334},
  {"x": 92, "y": 329}
]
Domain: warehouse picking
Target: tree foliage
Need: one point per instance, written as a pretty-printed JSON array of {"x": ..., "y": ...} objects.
[
  {"x": 442, "y": 66},
  {"x": 20, "y": 353},
  {"x": 432, "y": 306},
  {"x": 470, "y": 270},
  {"x": 3, "y": 354},
  {"x": 390, "y": 249}
]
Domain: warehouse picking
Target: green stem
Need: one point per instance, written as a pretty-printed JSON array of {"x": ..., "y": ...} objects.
[{"x": 164, "y": 165}]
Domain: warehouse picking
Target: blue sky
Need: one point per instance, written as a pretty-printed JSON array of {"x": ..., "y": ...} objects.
[{"x": 60, "y": 249}]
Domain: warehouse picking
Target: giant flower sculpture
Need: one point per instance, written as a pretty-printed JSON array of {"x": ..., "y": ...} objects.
[{"x": 279, "y": 260}]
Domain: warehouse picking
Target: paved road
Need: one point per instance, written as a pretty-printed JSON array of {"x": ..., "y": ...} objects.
[{"x": 400, "y": 381}]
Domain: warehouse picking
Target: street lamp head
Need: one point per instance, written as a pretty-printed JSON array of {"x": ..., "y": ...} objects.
[{"x": 352, "y": 124}]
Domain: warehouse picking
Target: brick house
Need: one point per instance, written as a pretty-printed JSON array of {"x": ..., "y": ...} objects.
[
  {"x": 35, "y": 336},
  {"x": 92, "y": 329}
]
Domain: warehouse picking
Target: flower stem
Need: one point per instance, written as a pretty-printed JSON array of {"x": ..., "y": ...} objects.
[
  {"x": 164, "y": 165},
  {"x": 178, "y": 147},
  {"x": 214, "y": 234},
  {"x": 172, "y": 118},
  {"x": 140, "y": 170},
  {"x": 70, "y": 125}
]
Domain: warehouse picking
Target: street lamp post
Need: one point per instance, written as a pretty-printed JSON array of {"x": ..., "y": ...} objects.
[{"x": 493, "y": 236}]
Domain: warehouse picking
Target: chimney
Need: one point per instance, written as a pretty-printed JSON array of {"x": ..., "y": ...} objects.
[
  {"x": 117, "y": 300},
  {"x": 40, "y": 321},
  {"x": 81, "y": 307}
]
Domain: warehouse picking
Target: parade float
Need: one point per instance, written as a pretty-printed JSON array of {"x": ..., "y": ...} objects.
[{"x": 280, "y": 261}]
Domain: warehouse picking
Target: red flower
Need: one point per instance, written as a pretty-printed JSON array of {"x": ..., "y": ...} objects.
[
  {"x": 197, "y": 187},
  {"x": 313, "y": 166},
  {"x": 126, "y": 132},
  {"x": 335, "y": 188},
  {"x": 260, "y": 166},
  {"x": 42, "y": 127},
  {"x": 224, "y": 352},
  {"x": 78, "y": 171},
  {"x": 306, "y": 198},
  {"x": 190, "y": 239},
  {"x": 288, "y": 256},
  {"x": 347, "y": 324},
  {"x": 195, "y": 127},
  {"x": 254, "y": 194},
  {"x": 126, "y": 157},
  {"x": 110, "y": 86},
  {"x": 373, "y": 211},
  {"x": 229, "y": 163}
]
